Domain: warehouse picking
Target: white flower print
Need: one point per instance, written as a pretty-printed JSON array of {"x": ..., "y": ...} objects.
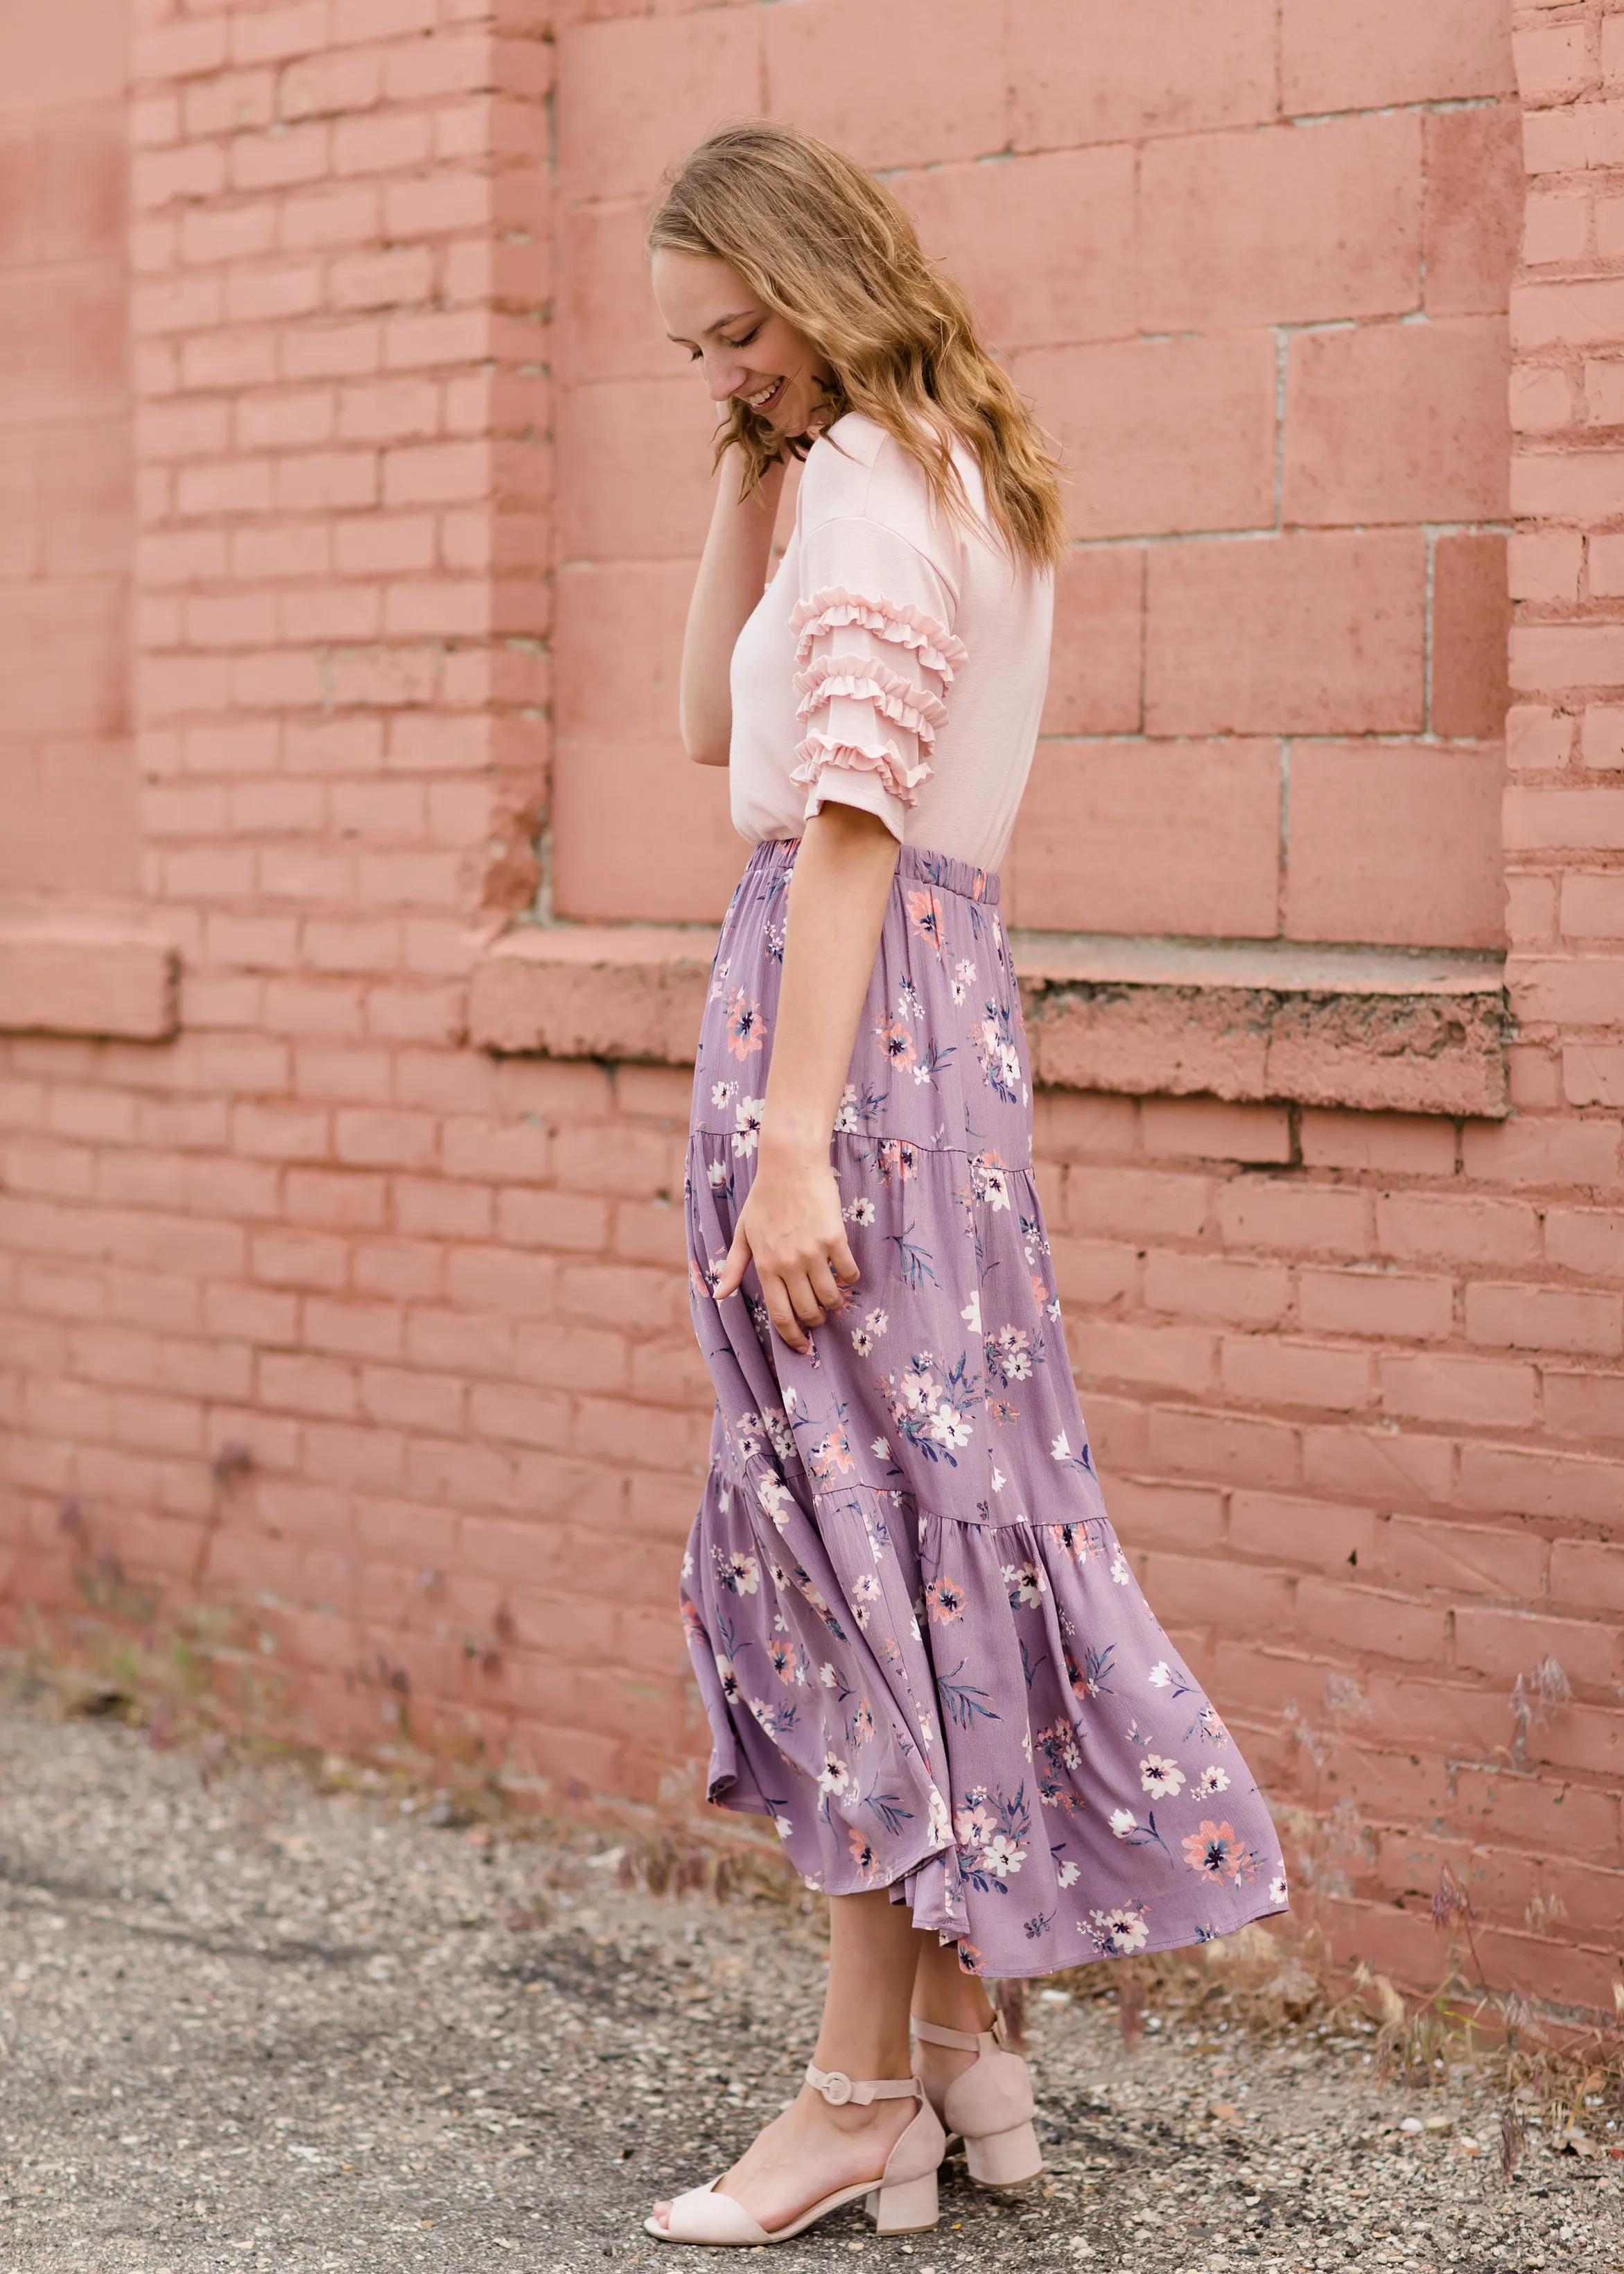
[
  {"x": 827, "y": 1675},
  {"x": 1277, "y": 1888},
  {"x": 1160, "y": 1674},
  {"x": 729, "y": 1679},
  {"x": 720, "y": 1092},
  {"x": 998, "y": 1479},
  {"x": 833, "y": 1776},
  {"x": 1061, "y": 1449},
  {"x": 782, "y": 1826},
  {"x": 860, "y": 1211},
  {"x": 717, "y": 1175},
  {"x": 1122, "y": 1822},
  {"x": 1213, "y": 1779},
  {"x": 941, "y": 1820},
  {"x": 739, "y": 1573},
  {"x": 778, "y": 1428},
  {"x": 1068, "y": 1875},
  {"x": 948, "y": 1426},
  {"x": 847, "y": 1117},
  {"x": 881, "y": 1449},
  {"x": 1120, "y": 1572},
  {"x": 747, "y": 1120},
  {"x": 687, "y": 1563},
  {"x": 1025, "y": 1583},
  {"x": 1161, "y": 1777},
  {"x": 971, "y": 1314},
  {"x": 1118, "y": 1931},
  {"x": 865, "y": 1595},
  {"x": 927, "y": 1728},
  {"x": 775, "y": 1499},
  {"x": 769, "y": 1716},
  {"x": 863, "y": 1343},
  {"x": 1003, "y": 1859},
  {"x": 877, "y": 1322}
]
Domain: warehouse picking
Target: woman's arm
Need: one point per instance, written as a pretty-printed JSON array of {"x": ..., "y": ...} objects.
[
  {"x": 732, "y": 574},
  {"x": 791, "y": 1220}
]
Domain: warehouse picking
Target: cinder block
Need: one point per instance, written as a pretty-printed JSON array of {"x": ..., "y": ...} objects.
[
  {"x": 635, "y": 94},
  {"x": 1092, "y": 813},
  {"x": 1397, "y": 422},
  {"x": 918, "y": 98},
  {"x": 1071, "y": 284},
  {"x": 1316, "y": 634},
  {"x": 1111, "y": 71},
  {"x": 1395, "y": 844},
  {"x": 1352, "y": 54},
  {"x": 1290, "y": 225},
  {"x": 1164, "y": 435}
]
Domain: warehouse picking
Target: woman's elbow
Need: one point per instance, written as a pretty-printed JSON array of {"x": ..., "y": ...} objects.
[{"x": 704, "y": 740}]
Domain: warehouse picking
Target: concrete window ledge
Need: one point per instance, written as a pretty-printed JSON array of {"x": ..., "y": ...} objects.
[
  {"x": 68, "y": 972},
  {"x": 1376, "y": 1029}
]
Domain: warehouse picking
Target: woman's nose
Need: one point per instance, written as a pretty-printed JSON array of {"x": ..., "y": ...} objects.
[{"x": 724, "y": 379}]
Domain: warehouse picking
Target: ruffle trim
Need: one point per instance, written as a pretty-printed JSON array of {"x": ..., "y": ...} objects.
[
  {"x": 855, "y": 677},
  {"x": 834, "y": 606},
  {"x": 819, "y": 752}
]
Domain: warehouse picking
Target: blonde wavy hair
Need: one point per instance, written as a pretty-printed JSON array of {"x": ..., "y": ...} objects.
[{"x": 836, "y": 255}]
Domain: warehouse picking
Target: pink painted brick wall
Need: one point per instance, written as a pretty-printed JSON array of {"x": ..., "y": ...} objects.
[{"x": 419, "y": 494}]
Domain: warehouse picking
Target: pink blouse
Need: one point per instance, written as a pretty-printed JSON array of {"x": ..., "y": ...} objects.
[{"x": 896, "y": 661}]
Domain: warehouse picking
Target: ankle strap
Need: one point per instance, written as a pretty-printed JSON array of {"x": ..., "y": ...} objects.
[
  {"x": 963, "y": 2041},
  {"x": 836, "y": 2088}
]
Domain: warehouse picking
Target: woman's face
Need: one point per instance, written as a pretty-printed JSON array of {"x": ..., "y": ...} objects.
[{"x": 747, "y": 352}]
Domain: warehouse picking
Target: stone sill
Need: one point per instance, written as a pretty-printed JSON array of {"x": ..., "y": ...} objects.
[
  {"x": 66, "y": 971},
  {"x": 1376, "y": 1029}
]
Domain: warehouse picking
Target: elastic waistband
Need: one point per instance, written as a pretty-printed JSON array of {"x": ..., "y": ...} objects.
[{"x": 776, "y": 856}]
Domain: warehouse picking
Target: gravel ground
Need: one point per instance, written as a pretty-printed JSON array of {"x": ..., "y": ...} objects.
[{"x": 254, "y": 2019}]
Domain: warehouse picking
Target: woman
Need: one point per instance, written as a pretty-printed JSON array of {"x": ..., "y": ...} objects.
[{"x": 920, "y": 1648}]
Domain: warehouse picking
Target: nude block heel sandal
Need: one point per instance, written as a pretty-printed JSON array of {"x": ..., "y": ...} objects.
[
  {"x": 902, "y": 2201},
  {"x": 989, "y": 2107}
]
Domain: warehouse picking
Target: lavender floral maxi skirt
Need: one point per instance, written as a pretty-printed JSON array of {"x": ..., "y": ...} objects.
[{"x": 920, "y": 1648}]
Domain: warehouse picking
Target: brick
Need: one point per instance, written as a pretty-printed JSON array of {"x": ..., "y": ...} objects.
[
  {"x": 1266, "y": 1370},
  {"x": 1175, "y": 1358},
  {"x": 1587, "y": 1240},
  {"x": 1589, "y": 1573},
  {"x": 1290, "y": 225},
  {"x": 1111, "y": 71},
  {"x": 1521, "y": 1317},
  {"x": 1320, "y": 633},
  {"x": 1433, "y": 1387},
  {"x": 1464, "y": 1559},
  {"x": 1549, "y": 1153},
  {"x": 1223, "y": 1448},
  {"x": 1268, "y": 1212},
  {"x": 1397, "y": 1143},
  {"x": 1213, "y": 807},
  {"x": 1203, "y": 1129},
  {"x": 1476, "y": 1231},
  {"x": 1164, "y": 435},
  {"x": 1505, "y": 1644},
  {"x": 1378, "y": 1302},
  {"x": 1093, "y": 1272},
  {"x": 1368, "y": 1623},
  {"x": 1215, "y": 1287},
  {"x": 1315, "y": 1534},
  {"x": 1580, "y": 821},
  {"x": 1552, "y": 62},
  {"x": 1144, "y": 1202},
  {"x": 1546, "y": 565},
  {"x": 1395, "y": 844},
  {"x": 1584, "y": 1404}
]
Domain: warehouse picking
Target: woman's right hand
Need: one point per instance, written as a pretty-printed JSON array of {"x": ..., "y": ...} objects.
[{"x": 791, "y": 1228}]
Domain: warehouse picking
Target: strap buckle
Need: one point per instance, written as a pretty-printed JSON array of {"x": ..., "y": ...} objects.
[{"x": 836, "y": 2087}]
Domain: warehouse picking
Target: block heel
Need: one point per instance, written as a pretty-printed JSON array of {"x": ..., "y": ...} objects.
[
  {"x": 1004, "y": 2159},
  {"x": 906, "y": 2207}
]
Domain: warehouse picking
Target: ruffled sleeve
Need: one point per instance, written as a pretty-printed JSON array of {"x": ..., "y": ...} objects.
[{"x": 877, "y": 654}]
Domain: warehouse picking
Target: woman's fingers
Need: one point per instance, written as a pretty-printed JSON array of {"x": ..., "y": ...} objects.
[
  {"x": 842, "y": 1261},
  {"x": 781, "y": 1311},
  {"x": 826, "y": 1288},
  {"x": 737, "y": 1264}
]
